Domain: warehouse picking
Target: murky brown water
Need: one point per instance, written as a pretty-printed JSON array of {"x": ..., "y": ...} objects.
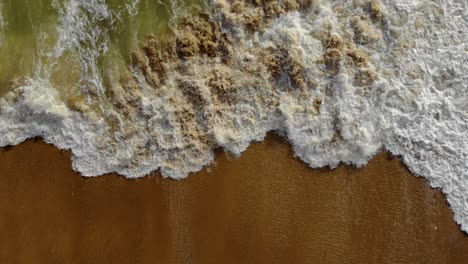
[{"x": 265, "y": 207}]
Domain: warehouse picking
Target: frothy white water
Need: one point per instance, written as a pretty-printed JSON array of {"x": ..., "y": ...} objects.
[
  {"x": 425, "y": 114},
  {"x": 84, "y": 27},
  {"x": 417, "y": 107}
]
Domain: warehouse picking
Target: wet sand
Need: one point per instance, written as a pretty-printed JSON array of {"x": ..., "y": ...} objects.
[{"x": 264, "y": 207}]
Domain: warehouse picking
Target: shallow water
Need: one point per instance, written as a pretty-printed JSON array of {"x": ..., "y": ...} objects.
[
  {"x": 137, "y": 86},
  {"x": 104, "y": 32},
  {"x": 21, "y": 23}
]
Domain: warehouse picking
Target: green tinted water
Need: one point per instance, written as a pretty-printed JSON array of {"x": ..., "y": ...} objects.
[
  {"x": 22, "y": 23},
  {"x": 29, "y": 33}
]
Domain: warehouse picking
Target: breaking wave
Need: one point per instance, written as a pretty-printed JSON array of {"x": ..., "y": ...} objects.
[{"x": 340, "y": 80}]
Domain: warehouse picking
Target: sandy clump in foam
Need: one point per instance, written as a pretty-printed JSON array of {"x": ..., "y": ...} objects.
[{"x": 224, "y": 82}]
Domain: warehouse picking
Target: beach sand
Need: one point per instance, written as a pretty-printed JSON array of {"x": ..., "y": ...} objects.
[{"x": 264, "y": 207}]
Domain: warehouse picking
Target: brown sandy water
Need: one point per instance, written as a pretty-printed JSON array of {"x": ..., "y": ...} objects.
[{"x": 264, "y": 207}]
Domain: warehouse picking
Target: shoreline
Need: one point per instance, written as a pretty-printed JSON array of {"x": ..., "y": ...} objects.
[{"x": 264, "y": 206}]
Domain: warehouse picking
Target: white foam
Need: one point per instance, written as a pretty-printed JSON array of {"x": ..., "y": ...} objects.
[{"x": 81, "y": 29}]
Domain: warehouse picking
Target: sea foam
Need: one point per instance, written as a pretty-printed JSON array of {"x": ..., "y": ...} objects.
[{"x": 340, "y": 80}]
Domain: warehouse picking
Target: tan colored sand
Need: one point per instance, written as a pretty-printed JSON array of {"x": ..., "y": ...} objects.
[{"x": 265, "y": 207}]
